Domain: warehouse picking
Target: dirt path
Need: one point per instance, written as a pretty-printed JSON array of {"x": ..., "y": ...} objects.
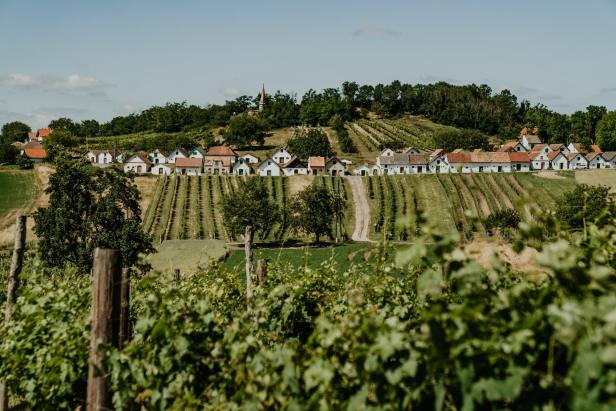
[
  {"x": 362, "y": 210},
  {"x": 550, "y": 174}
]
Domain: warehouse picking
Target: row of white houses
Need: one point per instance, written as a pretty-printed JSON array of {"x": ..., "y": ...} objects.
[{"x": 219, "y": 160}]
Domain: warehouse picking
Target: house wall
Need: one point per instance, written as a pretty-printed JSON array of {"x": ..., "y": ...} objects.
[
  {"x": 159, "y": 159},
  {"x": 161, "y": 170},
  {"x": 138, "y": 168},
  {"x": 578, "y": 163},
  {"x": 300, "y": 171},
  {"x": 336, "y": 169},
  {"x": 270, "y": 168},
  {"x": 597, "y": 162},
  {"x": 242, "y": 170},
  {"x": 188, "y": 171},
  {"x": 560, "y": 163}
]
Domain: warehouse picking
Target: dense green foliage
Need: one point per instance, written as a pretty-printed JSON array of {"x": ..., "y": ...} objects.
[
  {"x": 584, "y": 205},
  {"x": 314, "y": 210},
  {"x": 245, "y": 129},
  {"x": 250, "y": 205},
  {"x": 606, "y": 132},
  {"x": 504, "y": 219},
  {"x": 8, "y": 153},
  {"x": 466, "y": 139},
  {"x": 344, "y": 139},
  {"x": 14, "y": 131},
  {"x": 88, "y": 208},
  {"x": 432, "y": 330},
  {"x": 309, "y": 142}
]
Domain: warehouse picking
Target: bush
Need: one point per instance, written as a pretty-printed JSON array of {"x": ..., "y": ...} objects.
[
  {"x": 466, "y": 139},
  {"x": 584, "y": 205},
  {"x": 310, "y": 142},
  {"x": 8, "y": 153},
  {"x": 503, "y": 219}
]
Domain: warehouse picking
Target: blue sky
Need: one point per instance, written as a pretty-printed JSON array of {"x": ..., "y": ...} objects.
[{"x": 98, "y": 59}]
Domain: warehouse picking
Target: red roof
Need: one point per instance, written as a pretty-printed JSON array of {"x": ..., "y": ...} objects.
[
  {"x": 35, "y": 153},
  {"x": 221, "y": 151},
  {"x": 189, "y": 162},
  {"x": 316, "y": 162},
  {"x": 43, "y": 132},
  {"x": 517, "y": 157},
  {"x": 509, "y": 145},
  {"x": 458, "y": 157},
  {"x": 553, "y": 154},
  {"x": 595, "y": 149}
]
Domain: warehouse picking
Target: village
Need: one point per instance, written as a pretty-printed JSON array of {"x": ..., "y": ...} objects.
[{"x": 525, "y": 154}]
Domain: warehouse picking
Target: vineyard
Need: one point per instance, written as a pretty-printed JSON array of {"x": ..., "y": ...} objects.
[
  {"x": 452, "y": 200},
  {"x": 188, "y": 208}
]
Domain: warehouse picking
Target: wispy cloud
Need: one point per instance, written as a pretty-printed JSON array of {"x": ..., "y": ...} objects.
[
  {"x": 608, "y": 90},
  {"x": 231, "y": 92},
  {"x": 61, "y": 111},
  {"x": 375, "y": 32},
  {"x": 74, "y": 82},
  {"x": 32, "y": 119}
]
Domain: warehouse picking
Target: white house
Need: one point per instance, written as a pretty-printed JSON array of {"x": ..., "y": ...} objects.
[
  {"x": 175, "y": 154},
  {"x": 196, "y": 153},
  {"x": 335, "y": 167},
  {"x": 539, "y": 157},
  {"x": 596, "y": 160},
  {"x": 295, "y": 167},
  {"x": 366, "y": 170},
  {"x": 281, "y": 156},
  {"x": 388, "y": 152},
  {"x": 243, "y": 167},
  {"x": 513, "y": 146},
  {"x": 529, "y": 141},
  {"x": 490, "y": 162},
  {"x": 138, "y": 164},
  {"x": 162, "y": 169},
  {"x": 459, "y": 162},
  {"x": 189, "y": 166},
  {"x": 104, "y": 157},
  {"x": 158, "y": 157},
  {"x": 269, "y": 167},
  {"x": 575, "y": 147},
  {"x": 558, "y": 160},
  {"x": 577, "y": 161},
  {"x": 520, "y": 161},
  {"x": 250, "y": 158},
  {"x": 610, "y": 159},
  {"x": 560, "y": 147},
  {"x": 437, "y": 162},
  {"x": 411, "y": 150}
]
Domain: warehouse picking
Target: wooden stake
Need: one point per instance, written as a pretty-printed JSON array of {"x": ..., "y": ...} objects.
[
  {"x": 261, "y": 271},
  {"x": 13, "y": 284},
  {"x": 176, "y": 275},
  {"x": 125, "y": 328},
  {"x": 106, "y": 291},
  {"x": 248, "y": 252}
]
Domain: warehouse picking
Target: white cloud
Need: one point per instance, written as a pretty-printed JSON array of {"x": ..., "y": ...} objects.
[
  {"x": 73, "y": 82},
  {"x": 231, "y": 92},
  {"x": 375, "y": 32}
]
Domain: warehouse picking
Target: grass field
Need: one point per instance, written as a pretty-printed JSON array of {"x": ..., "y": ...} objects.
[
  {"x": 343, "y": 256},
  {"x": 187, "y": 255},
  {"x": 18, "y": 189},
  {"x": 596, "y": 177}
]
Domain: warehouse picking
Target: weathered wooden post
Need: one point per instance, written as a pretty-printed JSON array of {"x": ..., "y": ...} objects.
[
  {"x": 261, "y": 271},
  {"x": 176, "y": 275},
  {"x": 13, "y": 284},
  {"x": 125, "y": 328},
  {"x": 248, "y": 252},
  {"x": 105, "y": 329}
]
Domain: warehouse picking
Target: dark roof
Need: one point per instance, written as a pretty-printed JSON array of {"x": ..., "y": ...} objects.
[
  {"x": 609, "y": 155},
  {"x": 221, "y": 151}
]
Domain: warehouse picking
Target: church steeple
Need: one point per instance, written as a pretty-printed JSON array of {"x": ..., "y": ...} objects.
[{"x": 262, "y": 98}]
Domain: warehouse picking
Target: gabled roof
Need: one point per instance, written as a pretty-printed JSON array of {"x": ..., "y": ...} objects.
[
  {"x": 572, "y": 156},
  {"x": 532, "y": 138},
  {"x": 509, "y": 145},
  {"x": 411, "y": 150},
  {"x": 142, "y": 157},
  {"x": 556, "y": 147},
  {"x": 577, "y": 146},
  {"x": 272, "y": 162},
  {"x": 518, "y": 157},
  {"x": 159, "y": 151},
  {"x": 609, "y": 155},
  {"x": 489, "y": 157},
  {"x": 224, "y": 160},
  {"x": 188, "y": 163},
  {"x": 168, "y": 165},
  {"x": 593, "y": 155},
  {"x": 221, "y": 151},
  {"x": 419, "y": 159},
  {"x": 595, "y": 148},
  {"x": 316, "y": 162},
  {"x": 198, "y": 150},
  {"x": 181, "y": 150},
  {"x": 35, "y": 153},
  {"x": 294, "y": 162},
  {"x": 384, "y": 150},
  {"x": 437, "y": 153},
  {"x": 525, "y": 131},
  {"x": 553, "y": 154},
  {"x": 249, "y": 155},
  {"x": 538, "y": 147},
  {"x": 43, "y": 132}
]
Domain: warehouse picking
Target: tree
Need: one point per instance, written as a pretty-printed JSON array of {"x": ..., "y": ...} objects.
[
  {"x": 585, "y": 205},
  {"x": 450, "y": 140},
  {"x": 15, "y": 131},
  {"x": 89, "y": 128},
  {"x": 314, "y": 209},
  {"x": 606, "y": 132},
  {"x": 310, "y": 142},
  {"x": 8, "y": 153},
  {"x": 249, "y": 209},
  {"x": 64, "y": 124},
  {"x": 244, "y": 129},
  {"x": 88, "y": 208}
]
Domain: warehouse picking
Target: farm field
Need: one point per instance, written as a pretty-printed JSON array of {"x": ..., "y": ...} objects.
[
  {"x": 188, "y": 208},
  {"x": 596, "y": 177},
  {"x": 187, "y": 255},
  {"x": 18, "y": 191}
]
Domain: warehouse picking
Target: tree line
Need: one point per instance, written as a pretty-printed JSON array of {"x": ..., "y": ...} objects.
[{"x": 472, "y": 106}]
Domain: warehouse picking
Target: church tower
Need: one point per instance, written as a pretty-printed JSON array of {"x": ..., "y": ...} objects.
[{"x": 262, "y": 98}]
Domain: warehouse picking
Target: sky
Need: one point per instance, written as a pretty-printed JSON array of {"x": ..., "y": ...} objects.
[{"x": 100, "y": 59}]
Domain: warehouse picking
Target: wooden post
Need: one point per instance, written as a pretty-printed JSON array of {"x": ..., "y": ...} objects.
[
  {"x": 125, "y": 328},
  {"x": 248, "y": 252},
  {"x": 106, "y": 291},
  {"x": 261, "y": 271},
  {"x": 13, "y": 284},
  {"x": 176, "y": 275}
]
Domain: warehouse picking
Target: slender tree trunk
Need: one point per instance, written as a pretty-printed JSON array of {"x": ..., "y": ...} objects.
[
  {"x": 16, "y": 266},
  {"x": 248, "y": 251},
  {"x": 261, "y": 271}
]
